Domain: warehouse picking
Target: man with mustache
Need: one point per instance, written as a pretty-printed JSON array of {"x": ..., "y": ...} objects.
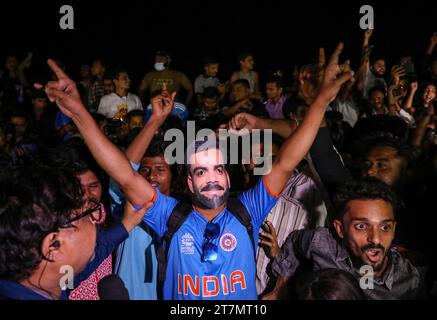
[
  {"x": 359, "y": 243},
  {"x": 211, "y": 254}
]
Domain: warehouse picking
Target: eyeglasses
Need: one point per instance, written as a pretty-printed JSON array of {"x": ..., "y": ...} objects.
[
  {"x": 209, "y": 249},
  {"x": 95, "y": 211}
]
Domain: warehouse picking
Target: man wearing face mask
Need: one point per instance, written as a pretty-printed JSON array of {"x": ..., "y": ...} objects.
[
  {"x": 211, "y": 256},
  {"x": 152, "y": 82}
]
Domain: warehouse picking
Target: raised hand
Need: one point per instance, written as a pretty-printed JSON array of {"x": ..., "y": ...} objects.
[
  {"x": 133, "y": 217},
  {"x": 162, "y": 104},
  {"x": 63, "y": 91},
  {"x": 396, "y": 73},
  {"x": 334, "y": 76},
  {"x": 243, "y": 123},
  {"x": 368, "y": 33},
  {"x": 414, "y": 86}
]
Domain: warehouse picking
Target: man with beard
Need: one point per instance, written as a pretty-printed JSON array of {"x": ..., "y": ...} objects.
[
  {"x": 211, "y": 255},
  {"x": 359, "y": 243}
]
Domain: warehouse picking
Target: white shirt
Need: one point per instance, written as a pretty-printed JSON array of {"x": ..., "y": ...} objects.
[
  {"x": 112, "y": 103},
  {"x": 349, "y": 109},
  {"x": 301, "y": 206}
]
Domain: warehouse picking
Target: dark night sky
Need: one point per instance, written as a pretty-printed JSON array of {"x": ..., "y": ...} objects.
[{"x": 277, "y": 32}]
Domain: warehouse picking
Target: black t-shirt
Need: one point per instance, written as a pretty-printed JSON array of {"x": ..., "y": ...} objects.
[{"x": 211, "y": 122}]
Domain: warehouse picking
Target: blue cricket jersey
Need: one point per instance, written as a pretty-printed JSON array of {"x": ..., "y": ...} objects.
[
  {"x": 232, "y": 275},
  {"x": 136, "y": 262}
]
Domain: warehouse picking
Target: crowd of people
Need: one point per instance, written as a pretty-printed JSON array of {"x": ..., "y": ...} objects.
[{"x": 345, "y": 211}]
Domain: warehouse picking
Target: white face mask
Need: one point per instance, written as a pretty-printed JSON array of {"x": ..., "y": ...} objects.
[{"x": 159, "y": 66}]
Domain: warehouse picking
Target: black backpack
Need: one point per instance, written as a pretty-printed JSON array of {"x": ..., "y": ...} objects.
[{"x": 178, "y": 216}]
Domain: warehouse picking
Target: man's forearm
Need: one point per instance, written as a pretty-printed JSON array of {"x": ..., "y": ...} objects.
[
  {"x": 409, "y": 102},
  {"x": 361, "y": 76},
  {"x": 136, "y": 150},
  {"x": 230, "y": 112},
  {"x": 283, "y": 128},
  {"x": 112, "y": 159}
]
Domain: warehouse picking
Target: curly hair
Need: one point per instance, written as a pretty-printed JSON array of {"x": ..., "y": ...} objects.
[
  {"x": 37, "y": 201},
  {"x": 369, "y": 188}
]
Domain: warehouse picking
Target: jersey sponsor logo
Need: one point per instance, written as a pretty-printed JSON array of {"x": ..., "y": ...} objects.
[
  {"x": 187, "y": 244},
  {"x": 228, "y": 242},
  {"x": 211, "y": 286}
]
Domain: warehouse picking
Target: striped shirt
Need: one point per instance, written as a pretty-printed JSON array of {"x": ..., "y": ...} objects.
[{"x": 300, "y": 206}]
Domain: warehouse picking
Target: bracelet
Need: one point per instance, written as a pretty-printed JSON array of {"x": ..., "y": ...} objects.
[{"x": 137, "y": 208}]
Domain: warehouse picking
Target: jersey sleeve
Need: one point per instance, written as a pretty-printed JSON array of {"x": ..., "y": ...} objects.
[
  {"x": 258, "y": 202},
  {"x": 156, "y": 217}
]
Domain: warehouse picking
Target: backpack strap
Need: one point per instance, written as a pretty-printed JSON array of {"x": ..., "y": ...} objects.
[
  {"x": 148, "y": 275},
  {"x": 237, "y": 208},
  {"x": 178, "y": 216}
]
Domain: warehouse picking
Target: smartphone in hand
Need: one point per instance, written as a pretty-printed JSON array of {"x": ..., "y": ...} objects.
[{"x": 265, "y": 227}]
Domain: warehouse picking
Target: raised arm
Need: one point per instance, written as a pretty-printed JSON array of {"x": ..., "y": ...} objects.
[
  {"x": 365, "y": 60},
  {"x": 64, "y": 92},
  {"x": 245, "y": 104},
  {"x": 408, "y": 104},
  {"x": 298, "y": 144},
  {"x": 160, "y": 111},
  {"x": 282, "y": 127}
]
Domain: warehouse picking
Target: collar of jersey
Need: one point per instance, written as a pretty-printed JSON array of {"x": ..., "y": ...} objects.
[{"x": 216, "y": 218}]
